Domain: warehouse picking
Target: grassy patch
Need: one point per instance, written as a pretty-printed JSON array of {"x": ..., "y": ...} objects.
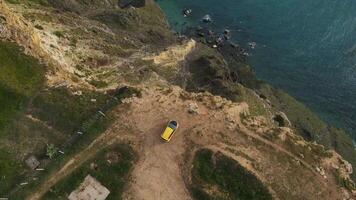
[
  {"x": 113, "y": 174},
  {"x": 29, "y": 2},
  {"x": 66, "y": 111},
  {"x": 9, "y": 169},
  {"x": 312, "y": 153},
  {"x": 59, "y": 34},
  {"x": 256, "y": 105},
  {"x": 92, "y": 129},
  {"x": 19, "y": 73},
  {"x": 309, "y": 125},
  {"x": 99, "y": 83},
  {"x": 21, "y": 93},
  {"x": 92, "y": 126},
  {"x": 219, "y": 177},
  {"x": 20, "y": 78},
  {"x": 10, "y": 104}
]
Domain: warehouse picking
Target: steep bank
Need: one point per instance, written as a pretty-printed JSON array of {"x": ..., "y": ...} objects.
[
  {"x": 111, "y": 47},
  {"x": 308, "y": 52},
  {"x": 224, "y": 72}
]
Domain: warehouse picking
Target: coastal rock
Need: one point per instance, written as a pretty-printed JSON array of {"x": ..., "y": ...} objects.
[
  {"x": 282, "y": 119},
  {"x": 348, "y": 167}
]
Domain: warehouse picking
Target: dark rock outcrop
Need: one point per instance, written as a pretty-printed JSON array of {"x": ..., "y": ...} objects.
[{"x": 134, "y": 3}]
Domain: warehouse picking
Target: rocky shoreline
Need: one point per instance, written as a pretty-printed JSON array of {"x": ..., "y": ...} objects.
[
  {"x": 237, "y": 71},
  {"x": 201, "y": 82}
]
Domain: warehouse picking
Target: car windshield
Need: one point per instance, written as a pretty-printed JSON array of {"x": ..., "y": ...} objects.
[{"x": 173, "y": 124}]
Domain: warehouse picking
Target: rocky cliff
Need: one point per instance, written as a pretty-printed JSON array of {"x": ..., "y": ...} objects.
[{"x": 115, "y": 75}]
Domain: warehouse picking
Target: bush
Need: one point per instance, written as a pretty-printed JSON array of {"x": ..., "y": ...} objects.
[{"x": 232, "y": 180}]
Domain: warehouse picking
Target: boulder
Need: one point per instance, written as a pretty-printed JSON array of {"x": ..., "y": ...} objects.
[
  {"x": 282, "y": 119},
  {"x": 193, "y": 108},
  {"x": 348, "y": 167}
]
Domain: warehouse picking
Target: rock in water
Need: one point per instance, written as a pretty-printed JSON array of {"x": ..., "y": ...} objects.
[{"x": 207, "y": 19}]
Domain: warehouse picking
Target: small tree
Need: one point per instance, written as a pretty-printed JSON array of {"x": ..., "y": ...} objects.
[{"x": 51, "y": 150}]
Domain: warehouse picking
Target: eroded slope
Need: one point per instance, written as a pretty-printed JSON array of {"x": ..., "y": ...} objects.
[{"x": 92, "y": 49}]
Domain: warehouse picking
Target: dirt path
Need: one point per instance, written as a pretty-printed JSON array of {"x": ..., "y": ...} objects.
[
  {"x": 159, "y": 173},
  {"x": 101, "y": 142},
  {"x": 281, "y": 149}
]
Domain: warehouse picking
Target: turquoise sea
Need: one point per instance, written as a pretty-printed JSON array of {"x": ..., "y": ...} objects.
[{"x": 307, "y": 48}]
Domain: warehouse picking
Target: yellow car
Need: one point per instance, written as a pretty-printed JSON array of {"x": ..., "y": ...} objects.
[{"x": 169, "y": 131}]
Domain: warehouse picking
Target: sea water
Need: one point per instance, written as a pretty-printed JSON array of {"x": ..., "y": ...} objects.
[{"x": 307, "y": 48}]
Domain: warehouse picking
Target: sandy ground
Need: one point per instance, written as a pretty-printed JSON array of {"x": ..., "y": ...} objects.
[
  {"x": 163, "y": 169},
  {"x": 173, "y": 55},
  {"x": 158, "y": 174}
]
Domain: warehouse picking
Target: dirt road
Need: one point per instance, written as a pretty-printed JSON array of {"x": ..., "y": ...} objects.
[{"x": 160, "y": 170}]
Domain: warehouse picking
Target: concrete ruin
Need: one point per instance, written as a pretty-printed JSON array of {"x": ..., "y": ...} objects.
[
  {"x": 32, "y": 162},
  {"x": 90, "y": 189}
]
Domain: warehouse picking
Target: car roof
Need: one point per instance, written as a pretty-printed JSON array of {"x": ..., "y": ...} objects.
[{"x": 167, "y": 133}]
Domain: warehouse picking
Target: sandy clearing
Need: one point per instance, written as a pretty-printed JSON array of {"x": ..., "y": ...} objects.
[
  {"x": 173, "y": 55},
  {"x": 161, "y": 172}
]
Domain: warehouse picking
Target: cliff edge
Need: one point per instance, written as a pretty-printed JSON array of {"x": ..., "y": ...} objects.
[{"x": 90, "y": 85}]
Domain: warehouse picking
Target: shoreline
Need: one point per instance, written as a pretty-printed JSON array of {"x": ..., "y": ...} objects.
[
  {"x": 306, "y": 122},
  {"x": 331, "y": 116}
]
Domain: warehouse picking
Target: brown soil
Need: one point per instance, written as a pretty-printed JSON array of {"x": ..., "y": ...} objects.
[{"x": 163, "y": 169}]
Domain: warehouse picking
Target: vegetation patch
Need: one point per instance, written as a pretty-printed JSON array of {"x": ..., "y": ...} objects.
[
  {"x": 92, "y": 126},
  {"x": 67, "y": 111},
  {"x": 99, "y": 83},
  {"x": 256, "y": 105},
  {"x": 29, "y": 2},
  {"x": 59, "y": 34},
  {"x": 9, "y": 169},
  {"x": 309, "y": 125},
  {"x": 20, "y": 78},
  {"x": 215, "y": 176},
  {"x": 19, "y": 73},
  {"x": 57, "y": 114},
  {"x": 344, "y": 182},
  {"x": 110, "y": 167},
  {"x": 210, "y": 72},
  {"x": 10, "y": 104}
]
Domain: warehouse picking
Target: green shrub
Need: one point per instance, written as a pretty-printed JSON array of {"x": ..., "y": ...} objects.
[
  {"x": 59, "y": 34},
  {"x": 112, "y": 175},
  {"x": 232, "y": 180}
]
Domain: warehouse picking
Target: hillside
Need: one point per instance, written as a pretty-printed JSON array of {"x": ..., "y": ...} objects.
[{"x": 88, "y": 86}]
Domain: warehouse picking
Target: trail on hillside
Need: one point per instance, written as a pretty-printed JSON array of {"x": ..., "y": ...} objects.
[
  {"x": 159, "y": 173},
  {"x": 76, "y": 161}
]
